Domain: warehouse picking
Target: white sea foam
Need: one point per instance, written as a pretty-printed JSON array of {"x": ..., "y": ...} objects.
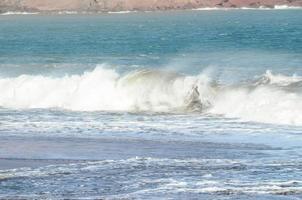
[
  {"x": 284, "y": 7},
  {"x": 209, "y": 8},
  {"x": 100, "y": 89},
  {"x": 162, "y": 177},
  {"x": 68, "y": 12},
  {"x": 121, "y": 12},
  {"x": 19, "y": 13},
  {"x": 277, "y": 7},
  {"x": 271, "y": 99},
  {"x": 226, "y": 9}
]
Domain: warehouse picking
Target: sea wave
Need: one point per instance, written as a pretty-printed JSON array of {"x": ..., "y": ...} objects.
[
  {"x": 102, "y": 89},
  {"x": 18, "y": 13},
  {"x": 69, "y": 12},
  {"x": 121, "y": 12},
  {"x": 270, "y": 98},
  {"x": 276, "y": 7},
  {"x": 158, "y": 176},
  {"x": 280, "y": 7}
]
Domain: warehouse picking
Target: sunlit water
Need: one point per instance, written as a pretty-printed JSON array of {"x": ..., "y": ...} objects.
[{"x": 179, "y": 105}]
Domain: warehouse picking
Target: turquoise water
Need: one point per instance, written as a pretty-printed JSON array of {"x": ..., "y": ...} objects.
[{"x": 195, "y": 104}]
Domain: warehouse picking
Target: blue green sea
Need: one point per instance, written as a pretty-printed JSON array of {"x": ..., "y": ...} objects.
[{"x": 151, "y": 105}]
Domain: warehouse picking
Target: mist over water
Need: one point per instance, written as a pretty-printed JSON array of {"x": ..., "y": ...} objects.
[{"x": 195, "y": 104}]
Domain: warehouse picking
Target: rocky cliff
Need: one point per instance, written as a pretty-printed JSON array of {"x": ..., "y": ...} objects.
[{"x": 141, "y": 5}]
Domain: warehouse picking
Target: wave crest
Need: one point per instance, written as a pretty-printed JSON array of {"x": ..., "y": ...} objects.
[
  {"x": 103, "y": 90},
  {"x": 270, "y": 99}
]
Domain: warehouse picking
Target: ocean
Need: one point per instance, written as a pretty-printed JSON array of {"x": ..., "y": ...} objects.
[{"x": 156, "y": 105}]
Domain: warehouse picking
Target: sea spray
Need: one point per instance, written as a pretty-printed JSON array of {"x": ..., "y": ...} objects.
[
  {"x": 270, "y": 98},
  {"x": 102, "y": 89}
]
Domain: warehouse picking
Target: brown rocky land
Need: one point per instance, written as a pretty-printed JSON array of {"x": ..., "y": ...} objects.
[{"x": 132, "y": 5}]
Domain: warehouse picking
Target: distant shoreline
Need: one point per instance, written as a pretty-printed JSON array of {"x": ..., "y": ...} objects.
[
  {"x": 67, "y": 12},
  {"x": 127, "y": 6}
]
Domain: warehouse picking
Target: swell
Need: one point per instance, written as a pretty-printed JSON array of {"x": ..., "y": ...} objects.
[{"x": 269, "y": 98}]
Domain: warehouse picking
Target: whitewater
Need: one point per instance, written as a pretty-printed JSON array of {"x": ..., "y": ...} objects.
[
  {"x": 151, "y": 105},
  {"x": 268, "y": 99}
]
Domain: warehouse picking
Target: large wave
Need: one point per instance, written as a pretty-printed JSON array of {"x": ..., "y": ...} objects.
[{"x": 270, "y": 98}]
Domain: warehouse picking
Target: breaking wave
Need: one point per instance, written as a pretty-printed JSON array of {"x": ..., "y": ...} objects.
[
  {"x": 18, "y": 13},
  {"x": 121, "y": 12},
  {"x": 104, "y": 89},
  {"x": 269, "y": 99},
  {"x": 284, "y": 7},
  {"x": 276, "y": 7}
]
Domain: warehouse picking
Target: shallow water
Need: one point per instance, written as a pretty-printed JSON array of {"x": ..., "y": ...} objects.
[{"x": 195, "y": 104}]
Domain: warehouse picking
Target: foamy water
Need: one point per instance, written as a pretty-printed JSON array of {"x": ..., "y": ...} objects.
[
  {"x": 276, "y": 7},
  {"x": 269, "y": 99},
  {"x": 165, "y": 105},
  {"x": 19, "y": 13}
]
